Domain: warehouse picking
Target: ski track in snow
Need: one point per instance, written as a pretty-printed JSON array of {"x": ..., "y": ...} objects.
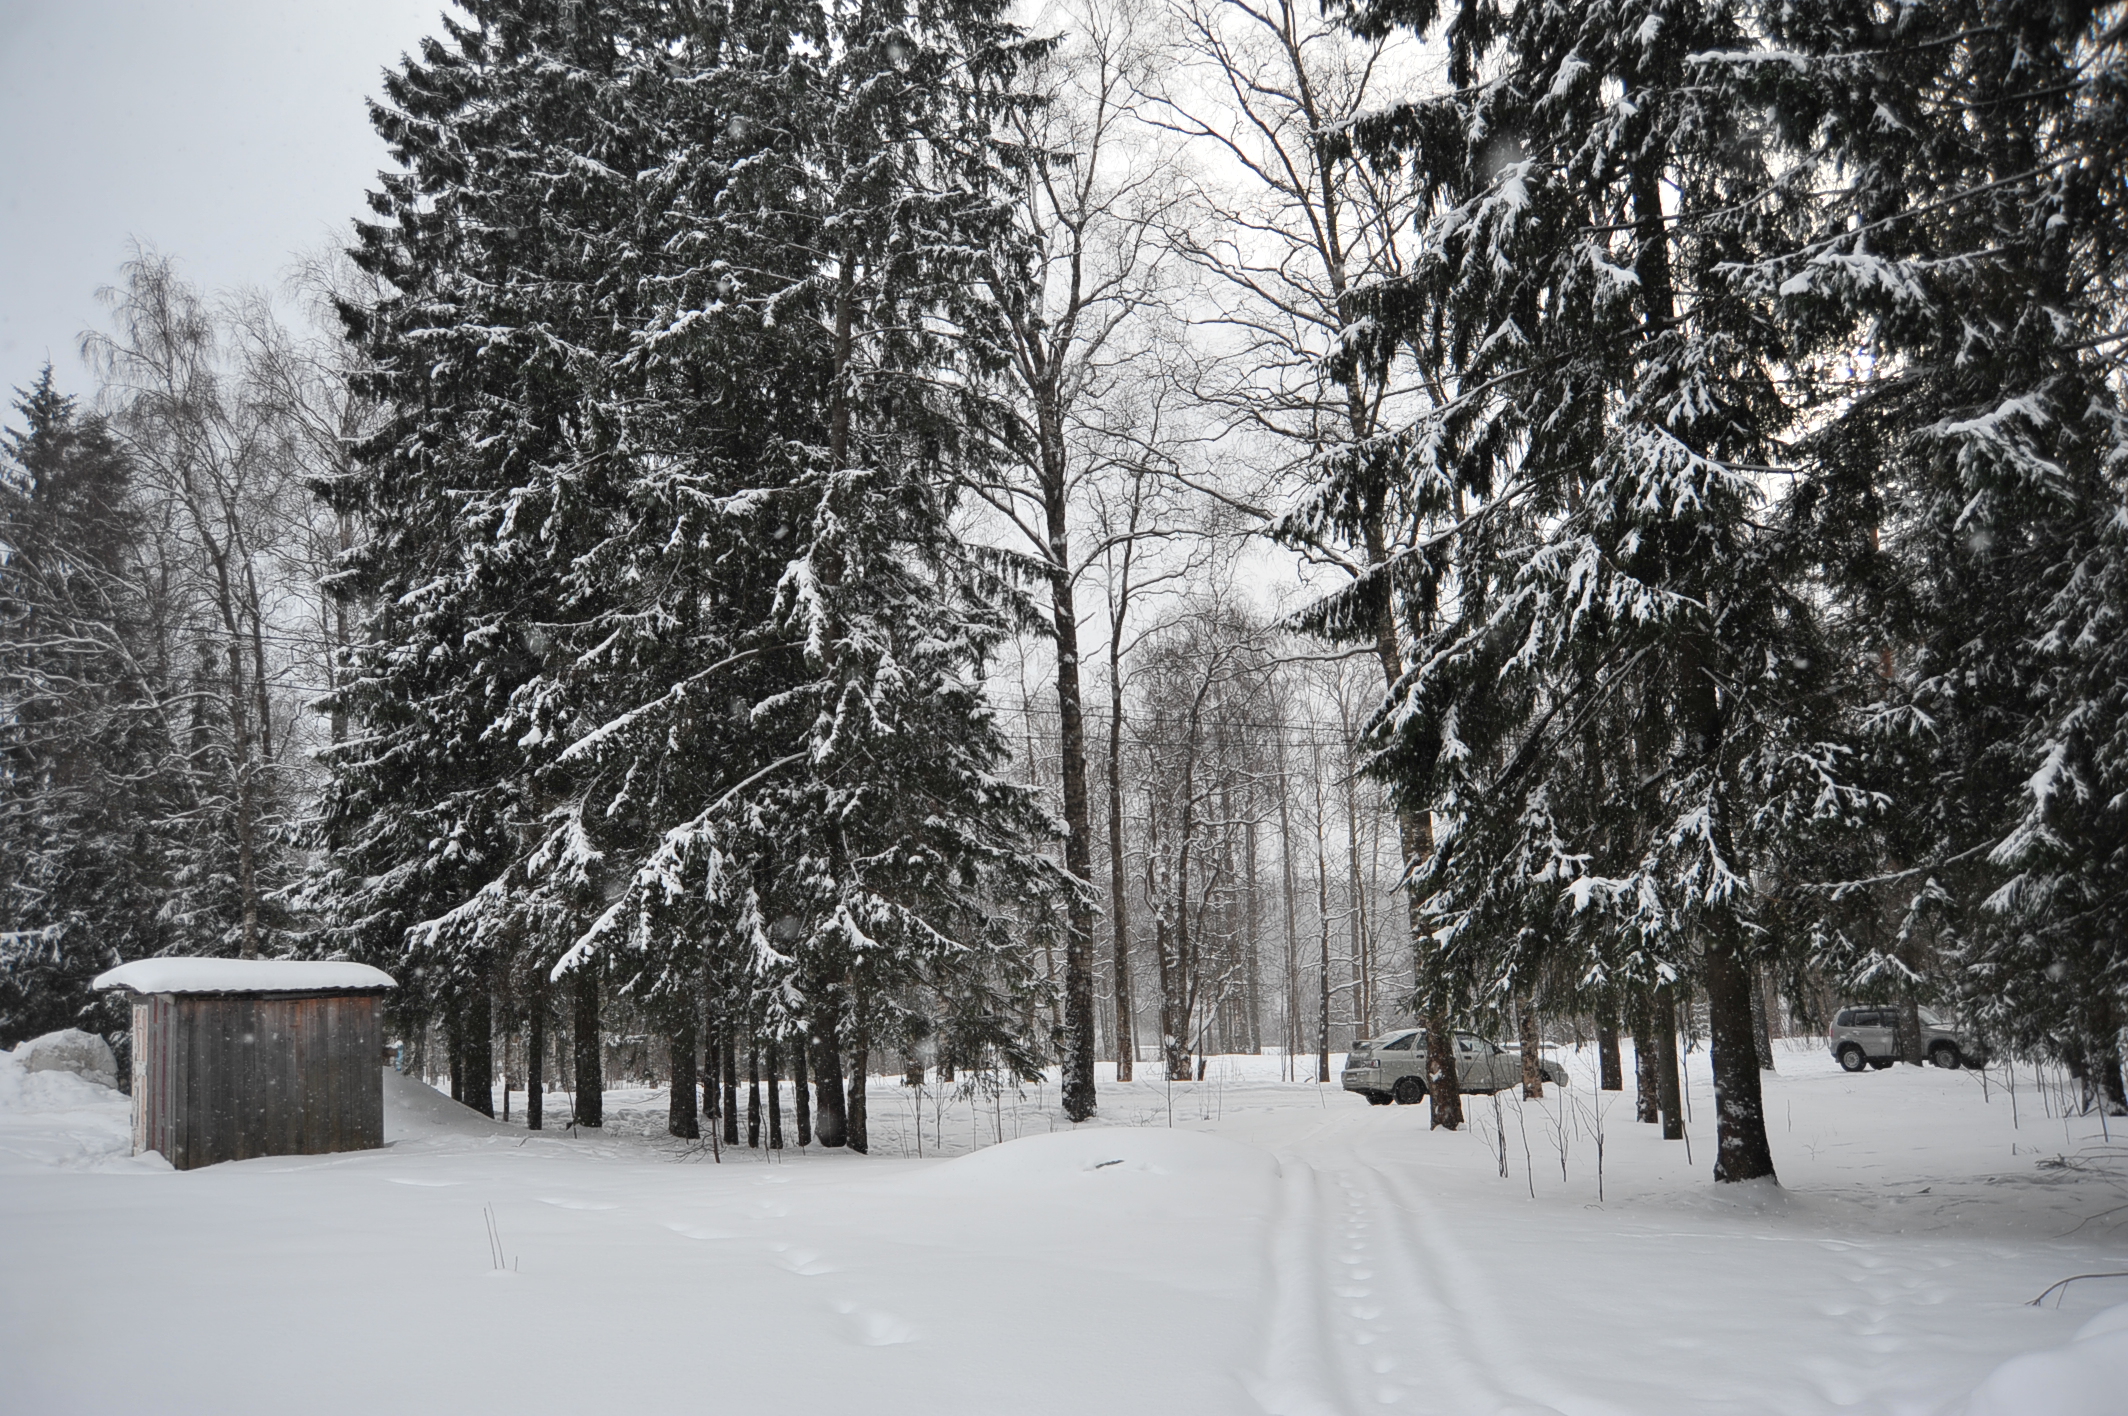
[{"x": 1376, "y": 1308}]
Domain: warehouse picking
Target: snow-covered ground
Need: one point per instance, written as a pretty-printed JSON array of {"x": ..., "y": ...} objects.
[{"x": 1236, "y": 1245}]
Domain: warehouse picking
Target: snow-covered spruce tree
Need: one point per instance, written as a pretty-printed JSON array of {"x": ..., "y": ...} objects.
[
  {"x": 660, "y": 506},
  {"x": 85, "y": 747},
  {"x": 1625, "y": 578},
  {"x": 507, "y": 242},
  {"x": 1967, "y": 242},
  {"x": 829, "y": 821}
]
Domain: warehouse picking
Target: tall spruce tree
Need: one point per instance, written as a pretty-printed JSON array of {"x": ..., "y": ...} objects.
[
  {"x": 677, "y": 662},
  {"x": 1962, "y": 271},
  {"x": 844, "y": 830},
  {"x": 1630, "y": 709},
  {"x": 510, "y": 272},
  {"x": 85, "y": 749}
]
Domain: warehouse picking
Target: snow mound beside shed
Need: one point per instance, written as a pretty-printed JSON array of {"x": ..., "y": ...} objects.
[
  {"x": 84, "y": 1054},
  {"x": 416, "y": 1111}
]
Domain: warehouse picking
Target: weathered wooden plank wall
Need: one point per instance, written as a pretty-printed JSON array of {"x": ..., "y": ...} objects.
[{"x": 229, "y": 1077}]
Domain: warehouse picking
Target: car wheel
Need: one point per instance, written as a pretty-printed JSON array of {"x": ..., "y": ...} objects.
[
  {"x": 1378, "y": 1098},
  {"x": 1851, "y": 1058},
  {"x": 1410, "y": 1091},
  {"x": 1944, "y": 1055}
]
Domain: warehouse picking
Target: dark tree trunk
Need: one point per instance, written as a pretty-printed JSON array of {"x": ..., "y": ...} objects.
[
  {"x": 1290, "y": 1039},
  {"x": 831, "y": 1118},
  {"x": 2103, "y": 1054},
  {"x": 799, "y": 1099},
  {"x": 1444, "y": 1089},
  {"x": 1761, "y": 1034},
  {"x": 2073, "y": 1061},
  {"x": 753, "y": 1093},
  {"x": 454, "y": 1029},
  {"x": 536, "y": 1060},
  {"x": 708, "y": 1076},
  {"x": 1647, "y": 1105},
  {"x": 775, "y": 1096},
  {"x": 856, "y": 1134},
  {"x": 480, "y": 1052},
  {"x": 1118, "y": 883},
  {"x": 1322, "y": 910},
  {"x": 1415, "y": 843},
  {"x": 728, "y": 1068},
  {"x": 1910, "y": 1032},
  {"x": 1610, "y": 1074},
  {"x": 590, "y": 1059},
  {"x": 1742, "y": 1151},
  {"x": 1664, "y": 1021},
  {"x": 1077, "y": 1041},
  {"x": 1179, "y": 979},
  {"x": 682, "y": 1119},
  {"x": 1252, "y": 940},
  {"x": 1532, "y": 1053}
]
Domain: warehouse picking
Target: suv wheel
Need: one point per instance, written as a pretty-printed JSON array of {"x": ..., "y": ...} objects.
[
  {"x": 1851, "y": 1058},
  {"x": 1944, "y": 1055},
  {"x": 1409, "y": 1091}
]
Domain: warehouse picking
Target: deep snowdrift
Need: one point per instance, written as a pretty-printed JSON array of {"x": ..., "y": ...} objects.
[{"x": 1283, "y": 1248}]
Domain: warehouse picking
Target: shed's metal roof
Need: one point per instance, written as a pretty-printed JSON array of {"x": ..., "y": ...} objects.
[{"x": 244, "y": 976}]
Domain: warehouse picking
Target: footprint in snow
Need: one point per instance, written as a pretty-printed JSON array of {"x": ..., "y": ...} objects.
[
  {"x": 875, "y": 1329},
  {"x": 805, "y": 1262}
]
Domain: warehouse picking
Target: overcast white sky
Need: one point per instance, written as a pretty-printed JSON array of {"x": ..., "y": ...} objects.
[{"x": 229, "y": 134}]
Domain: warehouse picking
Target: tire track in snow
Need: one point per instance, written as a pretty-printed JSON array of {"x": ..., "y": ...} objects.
[
  {"x": 1296, "y": 1378},
  {"x": 1481, "y": 1323},
  {"x": 1421, "y": 1317},
  {"x": 1358, "y": 1320}
]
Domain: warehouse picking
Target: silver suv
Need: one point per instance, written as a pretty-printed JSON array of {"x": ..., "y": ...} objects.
[
  {"x": 1393, "y": 1067},
  {"x": 1869, "y": 1037}
]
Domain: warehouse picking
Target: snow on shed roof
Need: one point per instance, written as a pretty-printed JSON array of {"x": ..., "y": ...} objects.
[{"x": 242, "y": 976}]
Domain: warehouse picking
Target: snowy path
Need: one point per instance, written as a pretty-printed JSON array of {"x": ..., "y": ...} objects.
[
  {"x": 1239, "y": 1246},
  {"x": 1376, "y": 1305},
  {"x": 1887, "y": 1277}
]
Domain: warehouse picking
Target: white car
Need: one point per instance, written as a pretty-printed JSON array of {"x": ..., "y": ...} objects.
[
  {"x": 1869, "y": 1037},
  {"x": 1393, "y": 1067}
]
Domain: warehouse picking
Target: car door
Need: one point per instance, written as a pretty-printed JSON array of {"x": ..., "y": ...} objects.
[
  {"x": 1875, "y": 1029},
  {"x": 1474, "y": 1064},
  {"x": 1401, "y": 1057}
]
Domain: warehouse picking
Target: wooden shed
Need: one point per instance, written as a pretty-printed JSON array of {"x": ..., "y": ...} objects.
[{"x": 235, "y": 1058}]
